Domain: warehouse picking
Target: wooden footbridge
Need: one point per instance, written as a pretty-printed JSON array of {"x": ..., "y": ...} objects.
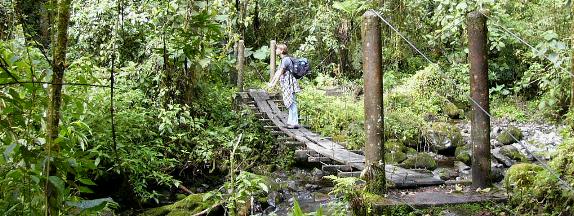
[{"x": 333, "y": 157}]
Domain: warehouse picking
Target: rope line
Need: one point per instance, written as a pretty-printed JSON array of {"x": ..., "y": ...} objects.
[
  {"x": 563, "y": 183},
  {"x": 49, "y": 83}
]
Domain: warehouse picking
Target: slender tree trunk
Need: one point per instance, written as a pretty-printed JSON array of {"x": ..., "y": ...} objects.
[
  {"x": 572, "y": 66},
  {"x": 256, "y": 21},
  {"x": 58, "y": 67},
  {"x": 343, "y": 37}
]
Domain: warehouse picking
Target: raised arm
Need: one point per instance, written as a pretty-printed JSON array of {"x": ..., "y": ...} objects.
[{"x": 276, "y": 77}]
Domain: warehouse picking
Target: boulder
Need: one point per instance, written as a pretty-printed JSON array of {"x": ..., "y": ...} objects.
[
  {"x": 273, "y": 198},
  {"x": 462, "y": 154},
  {"x": 496, "y": 174},
  {"x": 191, "y": 205},
  {"x": 503, "y": 159},
  {"x": 445, "y": 173},
  {"x": 411, "y": 151},
  {"x": 512, "y": 153},
  {"x": 395, "y": 152},
  {"x": 452, "y": 111},
  {"x": 420, "y": 160},
  {"x": 461, "y": 167},
  {"x": 443, "y": 138},
  {"x": 505, "y": 137},
  {"x": 522, "y": 174}
]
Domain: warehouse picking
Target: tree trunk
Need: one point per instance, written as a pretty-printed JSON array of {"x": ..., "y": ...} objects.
[
  {"x": 572, "y": 67},
  {"x": 343, "y": 37},
  {"x": 256, "y": 21},
  {"x": 58, "y": 67}
]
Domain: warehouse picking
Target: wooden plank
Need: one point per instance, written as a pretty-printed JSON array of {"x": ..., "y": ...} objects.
[
  {"x": 349, "y": 174},
  {"x": 339, "y": 155},
  {"x": 318, "y": 159},
  {"x": 264, "y": 107},
  {"x": 336, "y": 168}
]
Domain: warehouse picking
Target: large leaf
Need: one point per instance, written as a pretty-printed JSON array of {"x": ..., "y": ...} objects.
[
  {"x": 95, "y": 204},
  {"x": 261, "y": 53},
  {"x": 9, "y": 150},
  {"x": 58, "y": 183}
]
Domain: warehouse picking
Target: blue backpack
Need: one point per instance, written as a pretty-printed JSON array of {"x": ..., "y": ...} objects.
[{"x": 300, "y": 67}]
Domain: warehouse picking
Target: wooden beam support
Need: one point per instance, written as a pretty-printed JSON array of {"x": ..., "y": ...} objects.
[
  {"x": 374, "y": 121},
  {"x": 480, "y": 122}
]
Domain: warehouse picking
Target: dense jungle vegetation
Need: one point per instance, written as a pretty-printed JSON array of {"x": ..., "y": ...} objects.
[{"x": 110, "y": 107}]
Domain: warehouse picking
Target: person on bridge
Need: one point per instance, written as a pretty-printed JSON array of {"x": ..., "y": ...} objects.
[{"x": 289, "y": 85}]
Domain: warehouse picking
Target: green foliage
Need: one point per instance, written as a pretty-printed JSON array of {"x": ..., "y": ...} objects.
[
  {"x": 239, "y": 191},
  {"x": 191, "y": 205},
  {"x": 348, "y": 193},
  {"x": 173, "y": 112},
  {"x": 337, "y": 117},
  {"x": 537, "y": 191},
  {"x": 506, "y": 107},
  {"x": 297, "y": 211}
]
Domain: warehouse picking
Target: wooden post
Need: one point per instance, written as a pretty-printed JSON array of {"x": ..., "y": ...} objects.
[
  {"x": 374, "y": 173},
  {"x": 272, "y": 61},
  {"x": 480, "y": 122},
  {"x": 240, "y": 62}
]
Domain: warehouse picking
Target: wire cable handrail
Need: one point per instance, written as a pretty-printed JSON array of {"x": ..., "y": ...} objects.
[{"x": 536, "y": 50}]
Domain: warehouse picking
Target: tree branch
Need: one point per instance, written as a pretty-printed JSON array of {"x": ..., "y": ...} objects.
[{"x": 4, "y": 66}]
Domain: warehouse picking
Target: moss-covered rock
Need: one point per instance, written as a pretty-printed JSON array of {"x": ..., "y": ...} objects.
[
  {"x": 513, "y": 153},
  {"x": 443, "y": 136},
  {"x": 420, "y": 160},
  {"x": 191, "y": 205},
  {"x": 395, "y": 157},
  {"x": 445, "y": 173},
  {"x": 505, "y": 137},
  {"x": 395, "y": 152},
  {"x": 452, "y": 111},
  {"x": 411, "y": 151},
  {"x": 462, "y": 154},
  {"x": 522, "y": 174}
]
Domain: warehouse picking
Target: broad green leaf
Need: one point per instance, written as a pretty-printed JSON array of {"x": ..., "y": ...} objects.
[
  {"x": 261, "y": 53},
  {"x": 58, "y": 183},
  {"x": 204, "y": 62},
  {"x": 297, "y": 209},
  {"x": 9, "y": 151},
  {"x": 95, "y": 204},
  {"x": 206, "y": 196},
  {"x": 264, "y": 187},
  {"x": 86, "y": 181},
  {"x": 84, "y": 189}
]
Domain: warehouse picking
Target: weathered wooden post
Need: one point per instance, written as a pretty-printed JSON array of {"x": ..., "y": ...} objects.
[
  {"x": 272, "y": 61},
  {"x": 374, "y": 172},
  {"x": 240, "y": 62},
  {"x": 480, "y": 126}
]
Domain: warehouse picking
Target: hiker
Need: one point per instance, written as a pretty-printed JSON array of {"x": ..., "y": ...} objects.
[{"x": 289, "y": 85}]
